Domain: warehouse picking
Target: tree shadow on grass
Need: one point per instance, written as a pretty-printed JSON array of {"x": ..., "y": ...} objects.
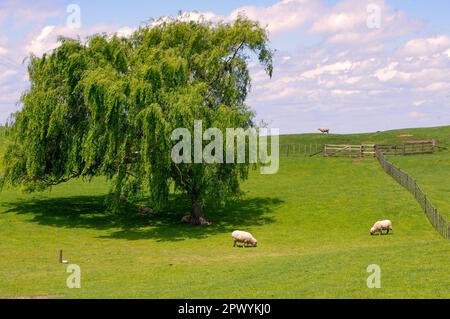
[{"x": 90, "y": 212}]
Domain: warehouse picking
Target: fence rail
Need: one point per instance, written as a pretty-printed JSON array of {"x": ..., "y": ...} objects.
[
  {"x": 436, "y": 219},
  {"x": 364, "y": 150},
  {"x": 425, "y": 147}
]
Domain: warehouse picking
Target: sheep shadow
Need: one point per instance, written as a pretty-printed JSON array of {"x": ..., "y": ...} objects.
[{"x": 90, "y": 212}]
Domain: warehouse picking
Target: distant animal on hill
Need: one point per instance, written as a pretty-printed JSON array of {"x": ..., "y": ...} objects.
[
  {"x": 324, "y": 130},
  {"x": 380, "y": 226},
  {"x": 243, "y": 237}
]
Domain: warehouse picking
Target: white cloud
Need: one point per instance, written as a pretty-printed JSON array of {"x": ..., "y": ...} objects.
[
  {"x": 438, "y": 86},
  {"x": 353, "y": 80},
  {"x": 334, "y": 68},
  {"x": 200, "y": 16},
  {"x": 22, "y": 12},
  {"x": 344, "y": 92},
  {"x": 336, "y": 22},
  {"x": 43, "y": 42},
  {"x": 419, "y": 103},
  {"x": 346, "y": 23},
  {"x": 125, "y": 31},
  {"x": 417, "y": 115},
  {"x": 447, "y": 53},
  {"x": 426, "y": 46},
  {"x": 47, "y": 39},
  {"x": 387, "y": 73},
  {"x": 330, "y": 66},
  {"x": 286, "y": 15},
  {"x": 38, "y": 37}
]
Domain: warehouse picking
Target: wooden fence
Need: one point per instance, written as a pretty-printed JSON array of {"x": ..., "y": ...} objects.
[
  {"x": 368, "y": 150},
  {"x": 436, "y": 219},
  {"x": 408, "y": 148},
  {"x": 364, "y": 150}
]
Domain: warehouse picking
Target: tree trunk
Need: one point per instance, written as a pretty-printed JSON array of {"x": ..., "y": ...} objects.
[{"x": 196, "y": 213}]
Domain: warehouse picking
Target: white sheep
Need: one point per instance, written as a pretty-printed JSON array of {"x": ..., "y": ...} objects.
[
  {"x": 324, "y": 130},
  {"x": 243, "y": 237},
  {"x": 380, "y": 226}
]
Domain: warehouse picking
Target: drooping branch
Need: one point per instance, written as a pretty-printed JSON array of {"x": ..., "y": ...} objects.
[
  {"x": 54, "y": 182},
  {"x": 226, "y": 65}
]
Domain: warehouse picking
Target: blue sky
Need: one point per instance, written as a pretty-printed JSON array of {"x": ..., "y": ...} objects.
[
  {"x": 331, "y": 68},
  {"x": 435, "y": 12},
  {"x": 134, "y": 11}
]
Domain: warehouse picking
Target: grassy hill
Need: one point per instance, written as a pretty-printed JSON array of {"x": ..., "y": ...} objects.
[
  {"x": 387, "y": 137},
  {"x": 312, "y": 220}
]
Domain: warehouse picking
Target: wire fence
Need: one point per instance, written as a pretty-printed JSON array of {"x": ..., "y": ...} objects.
[
  {"x": 443, "y": 143},
  {"x": 436, "y": 219},
  {"x": 300, "y": 150}
]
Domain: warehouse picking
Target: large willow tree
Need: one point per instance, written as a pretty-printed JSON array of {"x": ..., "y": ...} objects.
[{"x": 108, "y": 106}]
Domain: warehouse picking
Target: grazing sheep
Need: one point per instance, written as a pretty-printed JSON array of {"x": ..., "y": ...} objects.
[
  {"x": 324, "y": 130},
  {"x": 243, "y": 237},
  {"x": 380, "y": 226},
  {"x": 145, "y": 210}
]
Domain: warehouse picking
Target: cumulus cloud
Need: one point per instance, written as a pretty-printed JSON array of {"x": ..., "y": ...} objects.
[
  {"x": 21, "y": 12},
  {"x": 438, "y": 86},
  {"x": 361, "y": 72},
  {"x": 426, "y": 46},
  {"x": 333, "y": 67},
  {"x": 39, "y": 37},
  {"x": 417, "y": 115},
  {"x": 42, "y": 42},
  {"x": 350, "y": 23},
  {"x": 47, "y": 38},
  {"x": 284, "y": 16}
]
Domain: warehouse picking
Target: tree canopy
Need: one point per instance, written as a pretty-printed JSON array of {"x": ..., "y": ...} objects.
[{"x": 107, "y": 107}]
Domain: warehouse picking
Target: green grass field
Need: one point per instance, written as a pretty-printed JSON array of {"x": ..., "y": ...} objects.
[
  {"x": 432, "y": 172},
  {"x": 312, "y": 221}
]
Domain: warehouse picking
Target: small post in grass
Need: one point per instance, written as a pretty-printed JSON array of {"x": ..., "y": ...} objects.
[{"x": 60, "y": 256}]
